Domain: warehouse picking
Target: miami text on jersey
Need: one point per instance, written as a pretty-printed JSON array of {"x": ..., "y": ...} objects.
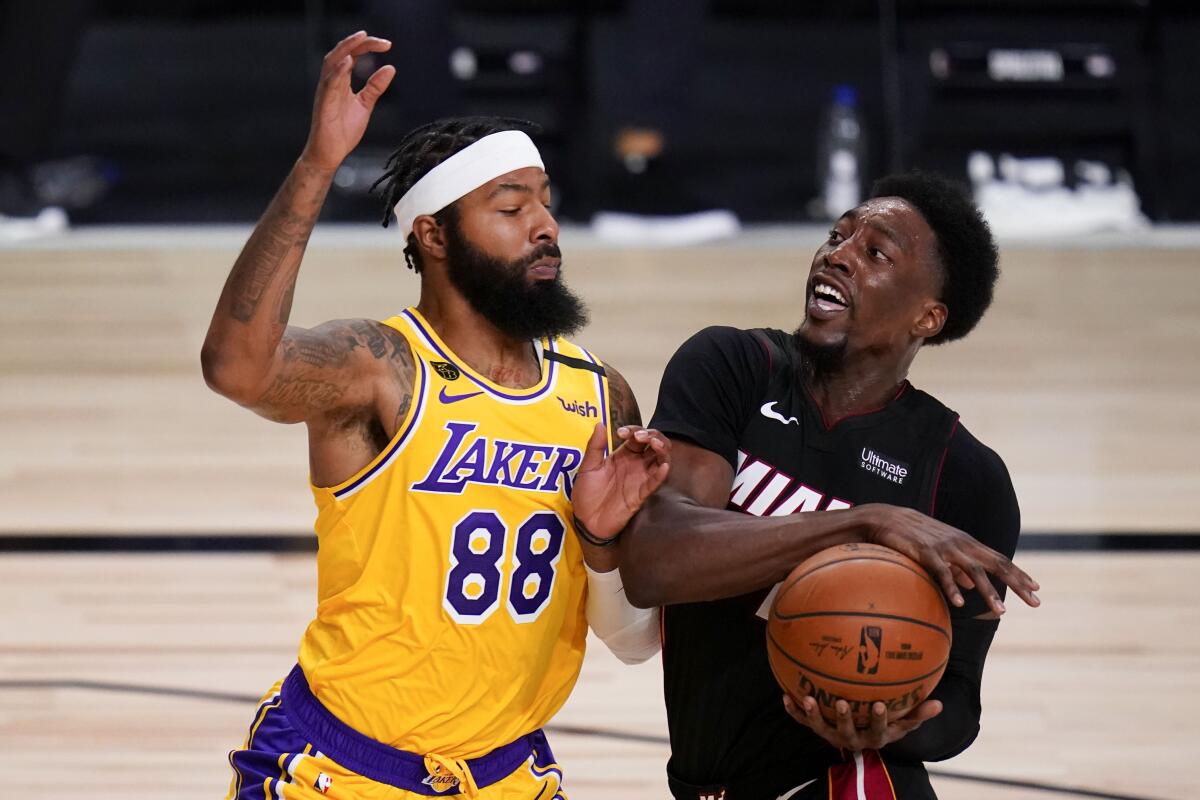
[{"x": 762, "y": 490}]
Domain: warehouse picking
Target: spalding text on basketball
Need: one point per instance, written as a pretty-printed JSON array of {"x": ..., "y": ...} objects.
[{"x": 898, "y": 703}]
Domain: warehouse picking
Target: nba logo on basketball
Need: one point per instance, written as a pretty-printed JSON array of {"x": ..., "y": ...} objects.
[
  {"x": 322, "y": 783},
  {"x": 868, "y": 649}
]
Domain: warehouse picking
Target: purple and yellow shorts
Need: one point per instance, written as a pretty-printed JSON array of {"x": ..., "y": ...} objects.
[{"x": 297, "y": 750}]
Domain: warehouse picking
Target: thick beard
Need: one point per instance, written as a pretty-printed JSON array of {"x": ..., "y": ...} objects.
[
  {"x": 819, "y": 362},
  {"x": 502, "y": 293}
]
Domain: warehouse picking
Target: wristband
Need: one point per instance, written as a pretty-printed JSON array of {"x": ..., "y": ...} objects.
[{"x": 591, "y": 538}]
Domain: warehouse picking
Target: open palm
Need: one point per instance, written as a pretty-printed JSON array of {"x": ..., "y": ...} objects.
[
  {"x": 609, "y": 491},
  {"x": 340, "y": 115}
]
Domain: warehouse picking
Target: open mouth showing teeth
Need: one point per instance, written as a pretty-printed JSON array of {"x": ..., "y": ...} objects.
[{"x": 827, "y": 295}]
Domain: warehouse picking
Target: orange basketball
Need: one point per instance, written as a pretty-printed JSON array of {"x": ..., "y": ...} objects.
[{"x": 860, "y": 623}]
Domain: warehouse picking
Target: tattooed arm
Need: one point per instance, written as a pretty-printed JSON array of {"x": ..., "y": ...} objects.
[
  {"x": 250, "y": 355},
  {"x": 608, "y": 491},
  {"x": 245, "y": 352},
  {"x": 623, "y": 407},
  {"x": 622, "y": 410}
]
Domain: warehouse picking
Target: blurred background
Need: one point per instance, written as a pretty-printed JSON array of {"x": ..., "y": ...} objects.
[
  {"x": 156, "y": 566},
  {"x": 186, "y": 112}
]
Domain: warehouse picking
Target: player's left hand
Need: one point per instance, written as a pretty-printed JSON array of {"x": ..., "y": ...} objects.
[
  {"x": 609, "y": 491},
  {"x": 879, "y": 733},
  {"x": 340, "y": 115}
]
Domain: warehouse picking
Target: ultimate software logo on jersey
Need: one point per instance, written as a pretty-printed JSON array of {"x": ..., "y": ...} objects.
[{"x": 883, "y": 466}]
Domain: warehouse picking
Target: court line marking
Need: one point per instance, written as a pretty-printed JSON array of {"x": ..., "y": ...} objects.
[
  {"x": 154, "y": 542},
  {"x": 566, "y": 730}
]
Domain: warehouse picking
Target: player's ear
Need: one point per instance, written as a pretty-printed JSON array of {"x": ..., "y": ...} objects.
[
  {"x": 931, "y": 321},
  {"x": 430, "y": 235}
]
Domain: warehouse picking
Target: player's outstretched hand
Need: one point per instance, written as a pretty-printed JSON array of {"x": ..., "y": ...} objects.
[
  {"x": 953, "y": 558},
  {"x": 609, "y": 491},
  {"x": 844, "y": 735},
  {"x": 340, "y": 115}
]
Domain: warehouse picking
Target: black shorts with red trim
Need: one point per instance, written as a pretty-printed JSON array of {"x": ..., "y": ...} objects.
[{"x": 863, "y": 776}]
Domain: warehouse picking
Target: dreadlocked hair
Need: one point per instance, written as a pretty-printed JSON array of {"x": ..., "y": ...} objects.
[{"x": 422, "y": 150}]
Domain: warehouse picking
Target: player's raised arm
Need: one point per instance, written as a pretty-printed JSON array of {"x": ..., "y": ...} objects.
[{"x": 250, "y": 354}]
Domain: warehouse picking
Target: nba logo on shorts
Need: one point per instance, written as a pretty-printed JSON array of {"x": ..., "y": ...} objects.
[
  {"x": 322, "y": 783},
  {"x": 868, "y": 649}
]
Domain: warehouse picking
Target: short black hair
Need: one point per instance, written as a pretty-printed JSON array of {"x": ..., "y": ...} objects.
[
  {"x": 966, "y": 249},
  {"x": 426, "y": 147}
]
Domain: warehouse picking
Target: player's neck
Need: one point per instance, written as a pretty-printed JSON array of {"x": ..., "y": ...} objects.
[
  {"x": 480, "y": 344},
  {"x": 857, "y": 386}
]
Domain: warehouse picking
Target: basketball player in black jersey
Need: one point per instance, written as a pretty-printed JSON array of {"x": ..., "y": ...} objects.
[{"x": 766, "y": 424}]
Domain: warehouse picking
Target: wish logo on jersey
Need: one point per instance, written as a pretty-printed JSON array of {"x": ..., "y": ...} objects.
[
  {"x": 466, "y": 459},
  {"x": 584, "y": 409}
]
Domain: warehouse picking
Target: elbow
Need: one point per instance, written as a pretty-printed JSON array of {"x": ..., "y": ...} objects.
[
  {"x": 645, "y": 572},
  {"x": 210, "y": 365},
  {"x": 632, "y": 660},
  {"x": 223, "y": 375},
  {"x": 937, "y": 739},
  {"x": 636, "y": 576},
  {"x": 956, "y": 742},
  {"x": 639, "y": 593},
  {"x": 643, "y": 585}
]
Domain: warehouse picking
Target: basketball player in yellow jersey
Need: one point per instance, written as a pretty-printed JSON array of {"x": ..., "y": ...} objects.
[{"x": 463, "y": 478}]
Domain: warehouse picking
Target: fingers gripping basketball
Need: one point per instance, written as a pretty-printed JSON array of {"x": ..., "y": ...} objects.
[{"x": 860, "y": 623}]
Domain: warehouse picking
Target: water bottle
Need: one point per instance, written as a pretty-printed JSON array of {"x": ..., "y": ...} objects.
[{"x": 841, "y": 149}]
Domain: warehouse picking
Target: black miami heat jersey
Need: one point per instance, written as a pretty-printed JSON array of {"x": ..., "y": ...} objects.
[{"x": 741, "y": 395}]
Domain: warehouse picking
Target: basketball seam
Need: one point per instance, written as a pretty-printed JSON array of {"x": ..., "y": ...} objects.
[
  {"x": 872, "y": 615},
  {"x": 799, "y": 663},
  {"x": 920, "y": 575}
]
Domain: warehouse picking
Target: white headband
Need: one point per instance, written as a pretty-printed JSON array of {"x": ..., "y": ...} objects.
[{"x": 464, "y": 172}]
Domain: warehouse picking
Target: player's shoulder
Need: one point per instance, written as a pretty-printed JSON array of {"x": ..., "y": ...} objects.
[
  {"x": 970, "y": 457},
  {"x": 976, "y": 493},
  {"x": 742, "y": 346},
  {"x": 623, "y": 406},
  {"x": 573, "y": 355},
  {"x": 359, "y": 331},
  {"x": 368, "y": 346},
  {"x": 972, "y": 469}
]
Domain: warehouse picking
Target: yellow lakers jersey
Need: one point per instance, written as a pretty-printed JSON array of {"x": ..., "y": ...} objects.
[{"x": 451, "y": 587}]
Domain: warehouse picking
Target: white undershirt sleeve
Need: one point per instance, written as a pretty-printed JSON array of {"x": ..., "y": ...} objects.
[{"x": 632, "y": 634}]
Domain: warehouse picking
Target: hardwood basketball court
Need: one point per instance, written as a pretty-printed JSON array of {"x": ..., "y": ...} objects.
[{"x": 130, "y": 674}]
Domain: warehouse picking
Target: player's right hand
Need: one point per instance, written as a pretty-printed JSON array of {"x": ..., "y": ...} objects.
[
  {"x": 610, "y": 490},
  {"x": 843, "y": 735},
  {"x": 340, "y": 115},
  {"x": 954, "y": 558}
]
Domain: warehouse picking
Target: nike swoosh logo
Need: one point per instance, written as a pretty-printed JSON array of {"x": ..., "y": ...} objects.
[
  {"x": 768, "y": 411},
  {"x": 798, "y": 788},
  {"x": 454, "y": 398}
]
